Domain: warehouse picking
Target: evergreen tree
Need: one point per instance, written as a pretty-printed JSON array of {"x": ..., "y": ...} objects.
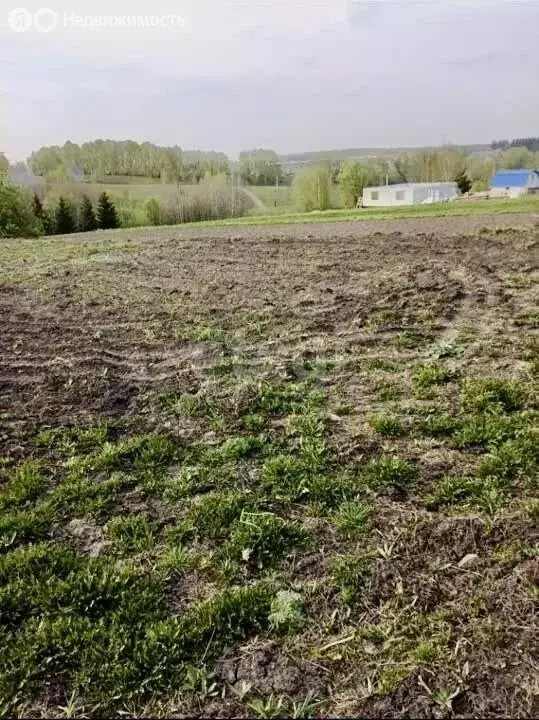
[
  {"x": 37, "y": 207},
  {"x": 65, "y": 221},
  {"x": 42, "y": 215},
  {"x": 107, "y": 218},
  {"x": 87, "y": 218},
  {"x": 463, "y": 182}
]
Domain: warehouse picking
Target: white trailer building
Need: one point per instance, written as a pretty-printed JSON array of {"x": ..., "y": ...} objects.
[{"x": 408, "y": 194}]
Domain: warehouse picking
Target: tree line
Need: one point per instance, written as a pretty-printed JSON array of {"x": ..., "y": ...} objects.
[
  {"x": 104, "y": 159},
  {"x": 530, "y": 143},
  {"x": 100, "y": 159},
  {"x": 24, "y": 215}
]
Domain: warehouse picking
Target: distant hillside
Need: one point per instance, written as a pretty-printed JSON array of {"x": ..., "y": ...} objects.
[{"x": 308, "y": 158}]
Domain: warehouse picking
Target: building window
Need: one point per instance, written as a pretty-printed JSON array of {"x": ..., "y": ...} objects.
[
  {"x": 399, "y": 195},
  {"x": 375, "y": 195}
]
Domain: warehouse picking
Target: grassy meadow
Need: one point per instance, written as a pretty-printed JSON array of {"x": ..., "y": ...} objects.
[{"x": 279, "y": 205}]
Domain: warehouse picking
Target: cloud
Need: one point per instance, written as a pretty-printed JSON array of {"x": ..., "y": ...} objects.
[{"x": 290, "y": 74}]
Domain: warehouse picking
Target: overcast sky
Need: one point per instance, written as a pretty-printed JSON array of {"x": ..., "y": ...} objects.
[{"x": 291, "y": 75}]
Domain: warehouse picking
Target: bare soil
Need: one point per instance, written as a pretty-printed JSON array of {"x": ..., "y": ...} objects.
[{"x": 104, "y": 327}]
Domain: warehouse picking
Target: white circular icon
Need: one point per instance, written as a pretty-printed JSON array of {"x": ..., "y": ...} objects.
[
  {"x": 45, "y": 20},
  {"x": 20, "y": 20}
]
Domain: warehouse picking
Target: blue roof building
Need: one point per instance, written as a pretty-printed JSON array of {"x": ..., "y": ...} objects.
[{"x": 515, "y": 182}]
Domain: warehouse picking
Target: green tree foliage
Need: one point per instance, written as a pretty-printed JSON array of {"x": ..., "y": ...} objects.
[
  {"x": 4, "y": 165},
  {"x": 463, "y": 183},
  {"x": 172, "y": 166},
  {"x": 517, "y": 158},
  {"x": 312, "y": 190},
  {"x": 355, "y": 176},
  {"x": 153, "y": 211},
  {"x": 260, "y": 167},
  {"x": 480, "y": 170},
  {"x": 107, "y": 218},
  {"x": 430, "y": 165},
  {"x": 87, "y": 218},
  {"x": 100, "y": 159},
  {"x": 47, "y": 222},
  {"x": 16, "y": 216},
  {"x": 64, "y": 217}
]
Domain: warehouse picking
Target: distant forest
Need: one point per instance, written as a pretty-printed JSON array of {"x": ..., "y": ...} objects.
[
  {"x": 101, "y": 159},
  {"x": 112, "y": 161},
  {"x": 531, "y": 143}
]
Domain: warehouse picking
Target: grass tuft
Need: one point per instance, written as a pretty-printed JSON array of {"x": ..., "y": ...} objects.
[
  {"x": 26, "y": 484},
  {"x": 386, "y": 425},
  {"x": 131, "y": 534},
  {"x": 493, "y": 395},
  {"x": 390, "y": 472},
  {"x": 353, "y": 517},
  {"x": 425, "y": 376},
  {"x": 261, "y": 539}
]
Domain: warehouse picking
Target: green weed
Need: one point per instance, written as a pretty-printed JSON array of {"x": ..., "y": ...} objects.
[
  {"x": 382, "y": 319},
  {"x": 201, "y": 478},
  {"x": 409, "y": 340},
  {"x": 24, "y": 526},
  {"x": 310, "y": 427},
  {"x": 389, "y": 472},
  {"x": 437, "y": 425},
  {"x": 288, "y": 399},
  {"x": 451, "y": 490},
  {"x": 343, "y": 409},
  {"x": 491, "y": 429},
  {"x": 215, "y": 514},
  {"x": 353, "y": 517},
  {"x": 386, "y": 390},
  {"x": 131, "y": 534},
  {"x": 78, "y": 496},
  {"x": 286, "y": 477},
  {"x": 77, "y": 440},
  {"x": 373, "y": 364},
  {"x": 494, "y": 395},
  {"x": 253, "y": 421},
  {"x": 528, "y": 320},
  {"x": 207, "y": 333},
  {"x": 261, "y": 539},
  {"x": 349, "y": 574},
  {"x": 286, "y": 611},
  {"x": 512, "y": 458},
  {"x": 26, "y": 484},
  {"x": 233, "y": 449},
  {"x": 186, "y": 404},
  {"x": 274, "y": 706},
  {"x": 520, "y": 282},
  {"x": 425, "y": 376},
  {"x": 142, "y": 454},
  {"x": 488, "y": 494},
  {"x": 386, "y": 425}
]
